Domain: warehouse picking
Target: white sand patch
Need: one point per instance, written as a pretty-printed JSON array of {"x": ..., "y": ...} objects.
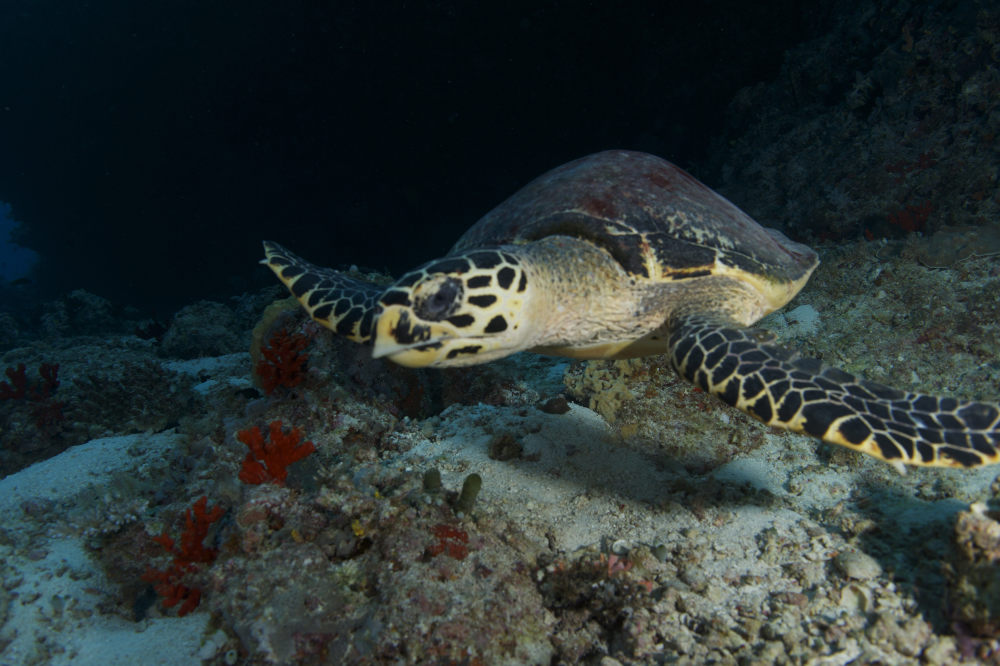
[{"x": 57, "y": 595}]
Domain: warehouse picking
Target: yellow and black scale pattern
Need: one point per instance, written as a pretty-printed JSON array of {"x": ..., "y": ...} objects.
[
  {"x": 475, "y": 279},
  {"x": 777, "y": 387}
]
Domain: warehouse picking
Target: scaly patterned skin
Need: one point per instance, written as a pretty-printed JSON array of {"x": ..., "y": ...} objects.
[{"x": 776, "y": 387}]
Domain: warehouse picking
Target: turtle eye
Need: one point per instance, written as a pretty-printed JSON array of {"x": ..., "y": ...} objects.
[{"x": 440, "y": 300}]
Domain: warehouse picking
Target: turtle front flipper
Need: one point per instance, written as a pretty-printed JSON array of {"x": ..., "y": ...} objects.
[
  {"x": 346, "y": 306},
  {"x": 775, "y": 386}
]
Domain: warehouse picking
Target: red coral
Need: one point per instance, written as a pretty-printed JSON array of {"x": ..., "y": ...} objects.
[
  {"x": 269, "y": 460},
  {"x": 451, "y": 541},
  {"x": 46, "y": 411},
  {"x": 18, "y": 387},
  {"x": 912, "y": 218},
  {"x": 283, "y": 361},
  {"x": 192, "y": 551},
  {"x": 49, "y": 372}
]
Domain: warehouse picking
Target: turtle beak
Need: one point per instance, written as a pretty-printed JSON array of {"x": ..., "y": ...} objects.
[
  {"x": 403, "y": 340},
  {"x": 385, "y": 343}
]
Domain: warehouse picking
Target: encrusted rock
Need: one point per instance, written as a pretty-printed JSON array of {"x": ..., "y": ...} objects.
[
  {"x": 857, "y": 565},
  {"x": 205, "y": 328},
  {"x": 974, "y": 574}
]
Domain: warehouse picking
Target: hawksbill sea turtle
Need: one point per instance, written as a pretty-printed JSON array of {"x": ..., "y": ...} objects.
[{"x": 623, "y": 254}]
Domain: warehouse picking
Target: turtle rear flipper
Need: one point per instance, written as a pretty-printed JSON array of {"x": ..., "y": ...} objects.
[
  {"x": 775, "y": 386},
  {"x": 343, "y": 304}
]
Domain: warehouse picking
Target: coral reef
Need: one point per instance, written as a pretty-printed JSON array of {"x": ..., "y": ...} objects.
[
  {"x": 654, "y": 410},
  {"x": 79, "y": 313},
  {"x": 882, "y": 127},
  {"x": 673, "y": 529},
  {"x": 130, "y": 396},
  {"x": 206, "y": 328}
]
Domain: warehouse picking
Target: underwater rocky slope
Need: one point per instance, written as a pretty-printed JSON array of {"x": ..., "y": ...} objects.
[{"x": 622, "y": 515}]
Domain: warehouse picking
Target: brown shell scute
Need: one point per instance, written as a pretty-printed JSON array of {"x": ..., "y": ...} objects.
[{"x": 654, "y": 218}]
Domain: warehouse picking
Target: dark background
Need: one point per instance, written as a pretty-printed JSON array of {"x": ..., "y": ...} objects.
[{"x": 149, "y": 147}]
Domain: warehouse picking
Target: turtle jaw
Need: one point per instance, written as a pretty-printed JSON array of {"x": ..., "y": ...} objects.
[
  {"x": 406, "y": 341},
  {"x": 403, "y": 338}
]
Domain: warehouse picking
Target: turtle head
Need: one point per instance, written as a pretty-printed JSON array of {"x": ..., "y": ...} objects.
[{"x": 460, "y": 310}]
